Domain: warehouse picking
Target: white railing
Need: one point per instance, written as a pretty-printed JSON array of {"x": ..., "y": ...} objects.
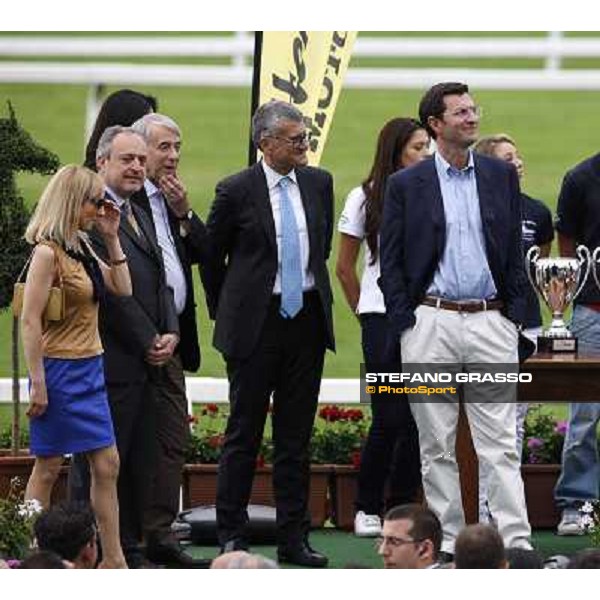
[
  {"x": 214, "y": 389},
  {"x": 238, "y": 49}
]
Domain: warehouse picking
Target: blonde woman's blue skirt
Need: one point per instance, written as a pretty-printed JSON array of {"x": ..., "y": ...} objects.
[{"x": 77, "y": 418}]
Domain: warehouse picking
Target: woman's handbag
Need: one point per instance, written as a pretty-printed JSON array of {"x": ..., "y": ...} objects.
[{"x": 55, "y": 309}]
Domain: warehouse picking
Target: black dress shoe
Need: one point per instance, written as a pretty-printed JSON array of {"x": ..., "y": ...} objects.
[
  {"x": 173, "y": 554},
  {"x": 302, "y": 555},
  {"x": 235, "y": 545},
  {"x": 136, "y": 560}
]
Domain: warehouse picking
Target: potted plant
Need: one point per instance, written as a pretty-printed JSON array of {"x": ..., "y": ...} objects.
[
  {"x": 337, "y": 439},
  {"x": 200, "y": 471},
  {"x": 17, "y": 517},
  {"x": 542, "y": 455}
]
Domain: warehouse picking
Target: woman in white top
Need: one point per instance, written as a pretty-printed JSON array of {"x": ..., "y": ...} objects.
[{"x": 392, "y": 447}]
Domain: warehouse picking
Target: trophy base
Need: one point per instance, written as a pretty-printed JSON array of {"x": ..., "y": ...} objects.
[{"x": 548, "y": 345}]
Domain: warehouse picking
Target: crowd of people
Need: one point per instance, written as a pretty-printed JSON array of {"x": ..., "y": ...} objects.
[{"x": 443, "y": 282}]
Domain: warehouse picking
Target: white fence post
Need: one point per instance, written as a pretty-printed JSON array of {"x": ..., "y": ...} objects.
[
  {"x": 554, "y": 59},
  {"x": 95, "y": 92}
]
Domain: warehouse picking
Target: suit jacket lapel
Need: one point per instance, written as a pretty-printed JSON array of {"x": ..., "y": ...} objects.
[
  {"x": 262, "y": 201},
  {"x": 485, "y": 191},
  {"x": 431, "y": 194},
  {"x": 309, "y": 204}
]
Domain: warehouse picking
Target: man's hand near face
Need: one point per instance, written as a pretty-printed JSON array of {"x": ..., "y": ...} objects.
[{"x": 175, "y": 193}]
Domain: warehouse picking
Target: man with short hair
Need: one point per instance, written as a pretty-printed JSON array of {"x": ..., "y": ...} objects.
[
  {"x": 181, "y": 236},
  {"x": 139, "y": 333},
  {"x": 69, "y": 530},
  {"x": 270, "y": 229},
  {"x": 453, "y": 280},
  {"x": 479, "y": 547},
  {"x": 578, "y": 222},
  {"x": 411, "y": 538}
]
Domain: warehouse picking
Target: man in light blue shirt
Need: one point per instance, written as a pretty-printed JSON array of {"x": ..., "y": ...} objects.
[{"x": 453, "y": 280}]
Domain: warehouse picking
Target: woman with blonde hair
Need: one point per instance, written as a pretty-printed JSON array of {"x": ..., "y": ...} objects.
[{"x": 68, "y": 407}]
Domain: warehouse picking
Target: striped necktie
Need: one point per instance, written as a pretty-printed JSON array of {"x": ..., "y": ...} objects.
[{"x": 130, "y": 216}]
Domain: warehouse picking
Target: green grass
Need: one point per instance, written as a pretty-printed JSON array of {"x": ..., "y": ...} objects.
[{"x": 552, "y": 130}]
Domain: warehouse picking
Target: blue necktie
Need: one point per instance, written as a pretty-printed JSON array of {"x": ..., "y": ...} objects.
[{"x": 291, "y": 264}]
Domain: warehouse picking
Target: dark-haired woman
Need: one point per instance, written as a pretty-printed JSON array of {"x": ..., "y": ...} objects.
[
  {"x": 392, "y": 448},
  {"x": 123, "y": 107}
]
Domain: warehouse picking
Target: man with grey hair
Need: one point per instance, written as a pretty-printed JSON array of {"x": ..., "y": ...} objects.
[
  {"x": 139, "y": 333},
  {"x": 181, "y": 236},
  {"x": 270, "y": 230}
]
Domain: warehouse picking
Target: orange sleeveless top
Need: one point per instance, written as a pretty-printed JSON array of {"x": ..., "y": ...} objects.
[{"x": 76, "y": 336}]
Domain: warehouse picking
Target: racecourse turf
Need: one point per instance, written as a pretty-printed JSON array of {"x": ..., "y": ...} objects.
[
  {"x": 554, "y": 130},
  {"x": 345, "y": 550}
]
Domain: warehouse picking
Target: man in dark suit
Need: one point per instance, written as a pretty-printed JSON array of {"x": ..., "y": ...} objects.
[
  {"x": 453, "y": 279},
  {"x": 139, "y": 333},
  {"x": 181, "y": 236},
  {"x": 270, "y": 230}
]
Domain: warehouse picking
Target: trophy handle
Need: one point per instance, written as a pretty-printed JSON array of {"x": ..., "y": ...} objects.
[
  {"x": 530, "y": 259},
  {"x": 595, "y": 258},
  {"x": 584, "y": 254}
]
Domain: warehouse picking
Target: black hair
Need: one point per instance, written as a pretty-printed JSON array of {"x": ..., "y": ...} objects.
[
  {"x": 425, "y": 523},
  {"x": 65, "y": 528},
  {"x": 433, "y": 104},
  {"x": 393, "y": 138},
  {"x": 123, "y": 107}
]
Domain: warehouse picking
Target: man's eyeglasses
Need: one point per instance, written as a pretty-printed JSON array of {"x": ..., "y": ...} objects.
[
  {"x": 297, "y": 141},
  {"x": 393, "y": 541},
  {"x": 463, "y": 113},
  {"x": 98, "y": 202}
]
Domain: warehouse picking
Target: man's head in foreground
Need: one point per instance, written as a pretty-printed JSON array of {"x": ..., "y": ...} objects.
[
  {"x": 411, "y": 538},
  {"x": 69, "y": 530},
  {"x": 479, "y": 547}
]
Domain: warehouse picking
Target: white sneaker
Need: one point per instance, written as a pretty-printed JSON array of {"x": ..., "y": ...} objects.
[
  {"x": 366, "y": 525},
  {"x": 570, "y": 524}
]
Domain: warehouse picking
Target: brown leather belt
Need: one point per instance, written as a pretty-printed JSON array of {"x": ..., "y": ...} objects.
[{"x": 466, "y": 307}]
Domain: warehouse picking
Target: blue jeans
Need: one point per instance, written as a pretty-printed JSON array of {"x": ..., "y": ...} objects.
[{"x": 580, "y": 477}]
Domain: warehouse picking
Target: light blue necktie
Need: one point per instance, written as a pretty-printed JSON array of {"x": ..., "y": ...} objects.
[{"x": 291, "y": 264}]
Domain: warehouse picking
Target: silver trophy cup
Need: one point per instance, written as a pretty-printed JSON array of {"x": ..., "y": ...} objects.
[
  {"x": 558, "y": 281},
  {"x": 595, "y": 260}
]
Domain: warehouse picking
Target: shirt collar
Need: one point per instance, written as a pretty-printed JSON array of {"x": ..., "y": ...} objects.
[
  {"x": 120, "y": 201},
  {"x": 447, "y": 170},
  {"x": 273, "y": 177},
  {"x": 151, "y": 189}
]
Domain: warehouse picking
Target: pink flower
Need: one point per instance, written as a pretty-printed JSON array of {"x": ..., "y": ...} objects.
[
  {"x": 561, "y": 427},
  {"x": 534, "y": 443}
]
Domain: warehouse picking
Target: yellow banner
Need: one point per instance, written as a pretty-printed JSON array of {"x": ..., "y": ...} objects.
[{"x": 307, "y": 69}]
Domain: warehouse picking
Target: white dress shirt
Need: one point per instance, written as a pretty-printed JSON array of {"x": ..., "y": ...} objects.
[
  {"x": 273, "y": 178},
  {"x": 173, "y": 269}
]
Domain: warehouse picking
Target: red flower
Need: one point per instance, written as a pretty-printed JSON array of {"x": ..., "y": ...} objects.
[
  {"x": 192, "y": 419},
  {"x": 212, "y": 408},
  {"x": 215, "y": 441},
  {"x": 355, "y": 459}
]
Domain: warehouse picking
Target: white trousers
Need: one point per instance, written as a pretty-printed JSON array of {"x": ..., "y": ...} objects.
[
  {"x": 485, "y": 515},
  {"x": 467, "y": 342}
]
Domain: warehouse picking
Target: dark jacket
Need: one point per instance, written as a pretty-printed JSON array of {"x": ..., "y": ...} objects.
[
  {"x": 413, "y": 236},
  {"x": 240, "y": 278},
  {"x": 129, "y": 324},
  {"x": 191, "y": 249}
]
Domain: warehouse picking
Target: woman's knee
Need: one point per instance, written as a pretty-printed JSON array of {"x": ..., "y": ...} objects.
[
  {"x": 47, "y": 470},
  {"x": 104, "y": 464}
]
